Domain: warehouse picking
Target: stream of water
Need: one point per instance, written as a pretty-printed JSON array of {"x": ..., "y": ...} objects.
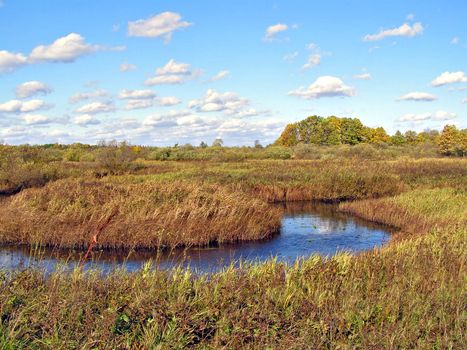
[{"x": 307, "y": 228}]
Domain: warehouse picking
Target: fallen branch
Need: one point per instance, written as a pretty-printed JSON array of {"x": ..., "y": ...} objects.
[{"x": 99, "y": 230}]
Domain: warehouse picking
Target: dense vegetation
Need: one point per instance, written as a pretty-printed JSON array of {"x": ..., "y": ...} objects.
[
  {"x": 408, "y": 294},
  {"x": 350, "y": 131}
]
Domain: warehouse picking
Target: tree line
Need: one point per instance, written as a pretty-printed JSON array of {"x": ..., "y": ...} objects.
[{"x": 328, "y": 131}]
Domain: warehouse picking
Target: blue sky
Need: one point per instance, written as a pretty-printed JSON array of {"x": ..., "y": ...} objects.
[{"x": 166, "y": 72}]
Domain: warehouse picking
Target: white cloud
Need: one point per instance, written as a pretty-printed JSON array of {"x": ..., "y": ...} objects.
[
  {"x": 404, "y": 30},
  {"x": 17, "y": 106},
  {"x": 312, "y": 46},
  {"x": 164, "y": 120},
  {"x": 455, "y": 40},
  {"x": 228, "y": 102},
  {"x": 168, "y": 101},
  {"x": 136, "y": 94},
  {"x": 96, "y": 107},
  {"x": 32, "y": 88},
  {"x": 417, "y": 118},
  {"x": 161, "y": 25},
  {"x": 64, "y": 49},
  {"x": 449, "y": 78},
  {"x": 36, "y": 119},
  {"x": 464, "y": 100},
  {"x": 139, "y": 104},
  {"x": 363, "y": 76},
  {"x": 172, "y": 73},
  {"x": 290, "y": 57},
  {"x": 325, "y": 86},
  {"x": 313, "y": 60},
  {"x": 410, "y": 17},
  {"x": 418, "y": 96},
  {"x": 273, "y": 30},
  {"x": 138, "y": 99},
  {"x": 221, "y": 75},
  {"x": 85, "y": 120},
  {"x": 81, "y": 96},
  {"x": 10, "y": 61},
  {"x": 126, "y": 67},
  {"x": 443, "y": 115}
]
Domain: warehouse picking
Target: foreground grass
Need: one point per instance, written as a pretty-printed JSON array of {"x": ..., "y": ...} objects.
[{"x": 409, "y": 294}]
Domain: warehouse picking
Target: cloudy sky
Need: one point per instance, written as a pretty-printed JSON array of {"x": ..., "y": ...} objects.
[{"x": 166, "y": 72}]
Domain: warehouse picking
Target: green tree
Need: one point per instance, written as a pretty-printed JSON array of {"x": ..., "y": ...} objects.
[
  {"x": 452, "y": 141},
  {"x": 411, "y": 137},
  {"x": 379, "y": 135},
  {"x": 398, "y": 139},
  {"x": 218, "y": 142}
]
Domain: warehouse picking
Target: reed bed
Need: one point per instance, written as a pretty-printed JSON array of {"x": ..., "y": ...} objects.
[
  {"x": 418, "y": 211},
  {"x": 149, "y": 215}
]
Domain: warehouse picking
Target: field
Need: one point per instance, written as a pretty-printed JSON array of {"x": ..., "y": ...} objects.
[{"x": 409, "y": 294}]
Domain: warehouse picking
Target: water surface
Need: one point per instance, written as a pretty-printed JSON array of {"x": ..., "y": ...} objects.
[{"x": 307, "y": 228}]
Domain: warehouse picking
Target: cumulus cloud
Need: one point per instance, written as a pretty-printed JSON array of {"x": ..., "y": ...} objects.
[
  {"x": 325, "y": 86},
  {"x": 10, "y": 61},
  {"x": 418, "y": 96},
  {"x": 449, "y": 78},
  {"x": 221, "y": 75},
  {"x": 363, "y": 76},
  {"x": 168, "y": 101},
  {"x": 313, "y": 60},
  {"x": 228, "y": 102},
  {"x": 136, "y": 94},
  {"x": 82, "y": 96},
  {"x": 164, "y": 120},
  {"x": 405, "y": 29},
  {"x": 85, "y": 120},
  {"x": 138, "y": 99},
  {"x": 161, "y": 25},
  {"x": 36, "y": 119},
  {"x": 139, "y": 104},
  {"x": 273, "y": 30},
  {"x": 439, "y": 115},
  {"x": 18, "y": 106},
  {"x": 65, "y": 49},
  {"x": 32, "y": 88},
  {"x": 126, "y": 67},
  {"x": 172, "y": 73},
  {"x": 96, "y": 107}
]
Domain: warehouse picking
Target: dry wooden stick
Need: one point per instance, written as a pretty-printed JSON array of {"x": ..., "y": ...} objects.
[{"x": 99, "y": 230}]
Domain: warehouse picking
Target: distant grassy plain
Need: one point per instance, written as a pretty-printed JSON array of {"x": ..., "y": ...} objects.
[{"x": 409, "y": 294}]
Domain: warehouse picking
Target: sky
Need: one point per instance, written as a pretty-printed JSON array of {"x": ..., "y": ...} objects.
[{"x": 167, "y": 72}]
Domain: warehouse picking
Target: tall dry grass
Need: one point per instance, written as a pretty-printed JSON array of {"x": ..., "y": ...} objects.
[{"x": 150, "y": 215}]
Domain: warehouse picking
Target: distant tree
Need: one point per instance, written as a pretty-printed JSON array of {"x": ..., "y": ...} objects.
[
  {"x": 258, "y": 144},
  {"x": 288, "y": 137},
  {"x": 379, "y": 135},
  {"x": 428, "y": 136},
  {"x": 411, "y": 137},
  {"x": 351, "y": 131},
  {"x": 218, "y": 143},
  {"x": 398, "y": 139},
  {"x": 203, "y": 144},
  {"x": 452, "y": 141}
]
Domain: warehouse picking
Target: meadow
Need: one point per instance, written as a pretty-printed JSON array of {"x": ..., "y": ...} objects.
[{"x": 408, "y": 294}]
